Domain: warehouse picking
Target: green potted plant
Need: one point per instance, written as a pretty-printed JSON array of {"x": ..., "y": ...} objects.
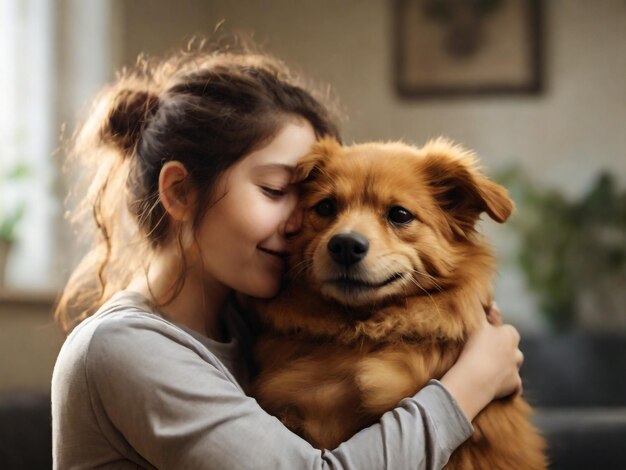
[
  {"x": 573, "y": 252},
  {"x": 10, "y": 217}
]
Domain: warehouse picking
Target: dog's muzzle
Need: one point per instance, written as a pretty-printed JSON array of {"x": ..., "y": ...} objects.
[{"x": 347, "y": 249}]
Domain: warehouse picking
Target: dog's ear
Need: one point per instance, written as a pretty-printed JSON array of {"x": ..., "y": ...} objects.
[
  {"x": 460, "y": 189},
  {"x": 315, "y": 159}
]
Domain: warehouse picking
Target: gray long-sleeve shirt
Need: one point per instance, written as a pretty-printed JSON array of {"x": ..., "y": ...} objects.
[{"x": 132, "y": 389}]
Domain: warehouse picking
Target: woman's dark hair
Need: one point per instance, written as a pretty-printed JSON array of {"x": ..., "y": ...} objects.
[{"x": 204, "y": 109}]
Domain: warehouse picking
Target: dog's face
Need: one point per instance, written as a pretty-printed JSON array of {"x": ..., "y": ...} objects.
[{"x": 389, "y": 220}]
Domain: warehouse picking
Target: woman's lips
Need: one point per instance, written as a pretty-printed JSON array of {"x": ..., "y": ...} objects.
[{"x": 278, "y": 254}]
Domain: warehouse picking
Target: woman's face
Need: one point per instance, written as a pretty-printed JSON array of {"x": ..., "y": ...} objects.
[{"x": 242, "y": 236}]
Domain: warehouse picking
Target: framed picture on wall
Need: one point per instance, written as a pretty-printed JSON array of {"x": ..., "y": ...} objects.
[{"x": 467, "y": 47}]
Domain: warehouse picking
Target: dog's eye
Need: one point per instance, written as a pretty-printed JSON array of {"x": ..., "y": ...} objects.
[
  {"x": 325, "y": 208},
  {"x": 399, "y": 215}
]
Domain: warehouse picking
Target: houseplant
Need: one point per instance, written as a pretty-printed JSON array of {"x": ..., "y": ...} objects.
[
  {"x": 573, "y": 251},
  {"x": 10, "y": 214}
]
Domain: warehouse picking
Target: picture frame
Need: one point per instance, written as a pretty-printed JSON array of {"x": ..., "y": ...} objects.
[{"x": 461, "y": 48}]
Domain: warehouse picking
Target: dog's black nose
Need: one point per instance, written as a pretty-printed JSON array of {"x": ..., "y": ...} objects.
[{"x": 348, "y": 248}]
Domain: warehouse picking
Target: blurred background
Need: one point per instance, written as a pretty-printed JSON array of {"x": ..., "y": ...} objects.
[{"x": 536, "y": 88}]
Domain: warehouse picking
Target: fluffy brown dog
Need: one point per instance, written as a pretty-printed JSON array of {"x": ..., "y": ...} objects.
[{"x": 388, "y": 279}]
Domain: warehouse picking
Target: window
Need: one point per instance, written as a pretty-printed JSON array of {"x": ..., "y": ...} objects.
[{"x": 53, "y": 57}]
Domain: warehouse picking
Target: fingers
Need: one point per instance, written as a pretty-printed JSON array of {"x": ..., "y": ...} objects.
[
  {"x": 497, "y": 347},
  {"x": 519, "y": 358},
  {"x": 494, "y": 316},
  {"x": 512, "y": 331},
  {"x": 519, "y": 361}
]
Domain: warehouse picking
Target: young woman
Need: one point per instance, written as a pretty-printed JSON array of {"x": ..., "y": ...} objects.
[{"x": 192, "y": 204}]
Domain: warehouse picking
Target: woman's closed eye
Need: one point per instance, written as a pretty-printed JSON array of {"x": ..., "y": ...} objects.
[{"x": 273, "y": 193}]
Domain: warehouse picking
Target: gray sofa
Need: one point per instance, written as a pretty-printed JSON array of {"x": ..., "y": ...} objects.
[
  {"x": 577, "y": 382},
  {"x": 25, "y": 432}
]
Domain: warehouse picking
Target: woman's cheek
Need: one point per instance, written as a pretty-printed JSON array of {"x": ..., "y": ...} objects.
[{"x": 265, "y": 218}]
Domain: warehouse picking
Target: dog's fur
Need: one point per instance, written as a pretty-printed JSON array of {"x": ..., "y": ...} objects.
[{"x": 344, "y": 344}]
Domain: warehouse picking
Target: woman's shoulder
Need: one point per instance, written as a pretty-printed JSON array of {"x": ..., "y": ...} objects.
[
  {"x": 128, "y": 338},
  {"x": 118, "y": 333},
  {"x": 124, "y": 311}
]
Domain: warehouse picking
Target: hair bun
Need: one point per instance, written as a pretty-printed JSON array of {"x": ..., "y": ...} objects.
[{"x": 129, "y": 113}]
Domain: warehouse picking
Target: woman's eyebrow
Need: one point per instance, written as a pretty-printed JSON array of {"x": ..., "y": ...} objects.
[{"x": 272, "y": 167}]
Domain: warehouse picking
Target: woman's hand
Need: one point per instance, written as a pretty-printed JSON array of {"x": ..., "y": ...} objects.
[{"x": 488, "y": 366}]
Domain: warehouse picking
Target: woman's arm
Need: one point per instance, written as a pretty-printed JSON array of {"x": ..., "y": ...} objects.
[
  {"x": 487, "y": 368},
  {"x": 152, "y": 384},
  {"x": 136, "y": 388}
]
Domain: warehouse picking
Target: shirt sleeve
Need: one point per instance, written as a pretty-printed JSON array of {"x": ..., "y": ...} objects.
[{"x": 153, "y": 385}]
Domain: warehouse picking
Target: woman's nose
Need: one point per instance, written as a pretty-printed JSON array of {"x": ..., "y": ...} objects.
[{"x": 294, "y": 223}]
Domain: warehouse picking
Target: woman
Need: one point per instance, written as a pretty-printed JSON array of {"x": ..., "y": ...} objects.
[{"x": 192, "y": 204}]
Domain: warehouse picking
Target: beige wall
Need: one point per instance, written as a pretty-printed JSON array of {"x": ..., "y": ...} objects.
[
  {"x": 29, "y": 341},
  {"x": 563, "y": 136}
]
